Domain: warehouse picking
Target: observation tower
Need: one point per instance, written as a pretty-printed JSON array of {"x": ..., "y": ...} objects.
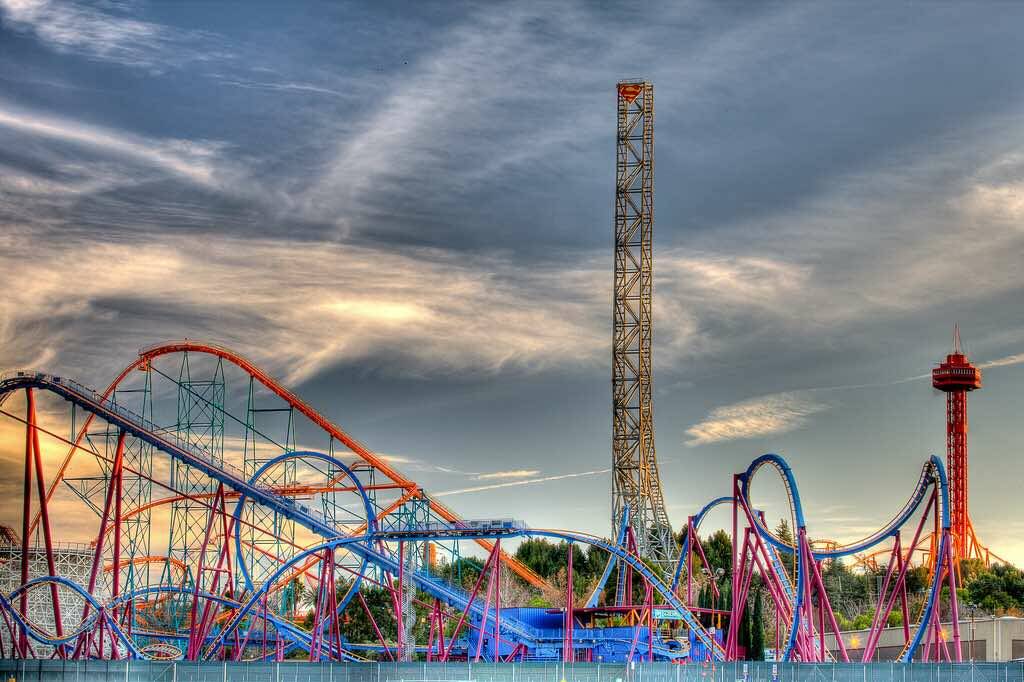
[{"x": 956, "y": 376}]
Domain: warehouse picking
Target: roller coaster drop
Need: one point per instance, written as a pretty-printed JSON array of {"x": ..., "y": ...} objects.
[{"x": 269, "y": 559}]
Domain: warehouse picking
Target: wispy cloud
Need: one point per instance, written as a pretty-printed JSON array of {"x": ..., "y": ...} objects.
[
  {"x": 757, "y": 417},
  {"x": 193, "y": 160},
  {"x": 517, "y": 473},
  {"x": 783, "y": 412},
  {"x": 416, "y": 464},
  {"x": 408, "y": 145},
  {"x": 97, "y": 32},
  {"x": 1003, "y": 361},
  {"x": 286, "y": 86},
  {"x": 513, "y": 484}
]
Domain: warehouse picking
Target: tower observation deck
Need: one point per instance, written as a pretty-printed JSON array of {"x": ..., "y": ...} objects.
[{"x": 956, "y": 376}]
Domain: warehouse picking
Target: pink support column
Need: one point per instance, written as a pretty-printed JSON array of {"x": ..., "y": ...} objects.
[
  {"x": 116, "y": 479},
  {"x": 469, "y": 604},
  {"x": 735, "y": 532},
  {"x": 487, "y": 607},
  {"x": 497, "y": 602},
  {"x": 432, "y": 632},
  {"x": 736, "y": 607},
  {"x": 376, "y": 629},
  {"x": 650, "y": 624},
  {"x": 902, "y": 587},
  {"x": 954, "y": 607},
  {"x": 440, "y": 626},
  {"x": 689, "y": 561},
  {"x": 825, "y": 606},
  {"x": 26, "y": 510},
  {"x": 567, "y": 646},
  {"x": 400, "y": 640},
  {"x": 44, "y": 515}
]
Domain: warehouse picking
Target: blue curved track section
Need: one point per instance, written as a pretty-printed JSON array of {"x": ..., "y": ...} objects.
[{"x": 933, "y": 474}]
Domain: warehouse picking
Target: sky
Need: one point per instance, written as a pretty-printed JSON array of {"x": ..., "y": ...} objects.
[{"x": 404, "y": 210}]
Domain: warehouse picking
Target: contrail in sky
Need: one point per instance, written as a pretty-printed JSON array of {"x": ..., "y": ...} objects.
[{"x": 528, "y": 481}]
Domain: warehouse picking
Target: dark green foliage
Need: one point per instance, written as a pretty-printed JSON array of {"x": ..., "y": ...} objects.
[
  {"x": 917, "y": 579},
  {"x": 848, "y": 592},
  {"x": 548, "y": 558},
  {"x": 462, "y": 572},
  {"x": 756, "y": 651},
  {"x": 998, "y": 590},
  {"x": 718, "y": 549},
  {"x": 784, "y": 532},
  {"x": 743, "y": 636},
  {"x": 356, "y": 625}
]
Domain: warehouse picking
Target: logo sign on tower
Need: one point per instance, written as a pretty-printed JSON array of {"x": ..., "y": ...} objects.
[{"x": 630, "y": 91}]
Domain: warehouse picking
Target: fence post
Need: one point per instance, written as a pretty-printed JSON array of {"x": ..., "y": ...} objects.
[{"x": 174, "y": 671}]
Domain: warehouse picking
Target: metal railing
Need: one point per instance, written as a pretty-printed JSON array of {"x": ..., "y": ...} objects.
[{"x": 166, "y": 671}]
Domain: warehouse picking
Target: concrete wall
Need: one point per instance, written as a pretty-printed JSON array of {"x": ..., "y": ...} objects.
[{"x": 986, "y": 639}]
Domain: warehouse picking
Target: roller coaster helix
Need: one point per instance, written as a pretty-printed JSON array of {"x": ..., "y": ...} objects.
[{"x": 272, "y": 546}]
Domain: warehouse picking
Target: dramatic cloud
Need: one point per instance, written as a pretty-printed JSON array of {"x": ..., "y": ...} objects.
[{"x": 325, "y": 304}]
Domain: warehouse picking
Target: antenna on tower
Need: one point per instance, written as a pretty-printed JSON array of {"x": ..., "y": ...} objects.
[{"x": 957, "y": 347}]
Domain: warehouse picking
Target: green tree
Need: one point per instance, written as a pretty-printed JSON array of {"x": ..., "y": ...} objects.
[
  {"x": 757, "y": 628},
  {"x": 784, "y": 532},
  {"x": 743, "y": 636},
  {"x": 718, "y": 550}
]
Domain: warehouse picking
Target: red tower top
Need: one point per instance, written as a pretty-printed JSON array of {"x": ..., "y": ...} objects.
[{"x": 956, "y": 373}]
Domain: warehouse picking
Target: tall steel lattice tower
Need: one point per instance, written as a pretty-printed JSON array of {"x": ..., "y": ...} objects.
[
  {"x": 635, "y": 480},
  {"x": 956, "y": 376}
]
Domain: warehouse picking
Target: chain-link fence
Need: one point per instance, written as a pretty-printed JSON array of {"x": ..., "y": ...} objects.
[{"x": 151, "y": 671}]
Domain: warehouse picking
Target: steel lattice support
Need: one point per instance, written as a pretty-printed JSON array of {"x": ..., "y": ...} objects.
[
  {"x": 200, "y": 427},
  {"x": 635, "y": 481},
  {"x": 269, "y": 548},
  {"x": 413, "y": 514},
  {"x": 138, "y": 489}
]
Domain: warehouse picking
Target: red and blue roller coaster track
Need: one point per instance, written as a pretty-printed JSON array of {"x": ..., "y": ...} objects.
[{"x": 231, "y": 616}]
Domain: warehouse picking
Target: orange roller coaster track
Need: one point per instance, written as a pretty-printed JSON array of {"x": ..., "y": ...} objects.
[{"x": 411, "y": 488}]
